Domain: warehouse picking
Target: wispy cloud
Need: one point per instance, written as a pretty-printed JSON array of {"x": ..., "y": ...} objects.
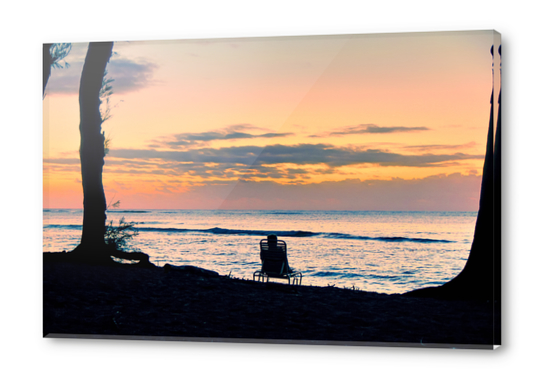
[
  {"x": 469, "y": 145},
  {"x": 370, "y": 129},
  {"x": 232, "y": 132},
  {"x": 131, "y": 75},
  {"x": 63, "y": 161}
]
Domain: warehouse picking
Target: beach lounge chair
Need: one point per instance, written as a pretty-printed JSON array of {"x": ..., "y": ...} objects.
[{"x": 273, "y": 254}]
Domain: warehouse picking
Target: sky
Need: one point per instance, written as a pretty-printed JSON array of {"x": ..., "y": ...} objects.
[{"x": 345, "y": 122}]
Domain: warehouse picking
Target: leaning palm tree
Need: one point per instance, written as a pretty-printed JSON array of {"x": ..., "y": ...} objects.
[{"x": 481, "y": 276}]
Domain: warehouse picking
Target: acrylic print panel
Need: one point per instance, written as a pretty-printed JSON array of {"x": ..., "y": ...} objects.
[{"x": 172, "y": 168}]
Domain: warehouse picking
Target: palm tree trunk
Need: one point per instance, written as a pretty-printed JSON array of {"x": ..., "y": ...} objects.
[
  {"x": 481, "y": 276},
  {"x": 92, "y": 144}
]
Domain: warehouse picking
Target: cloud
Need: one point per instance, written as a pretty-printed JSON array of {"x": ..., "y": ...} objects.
[
  {"x": 453, "y": 192},
  {"x": 468, "y": 145},
  {"x": 131, "y": 75},
  {"x": 286, "y": 163},
  {"x": 62, "y": 161},
  {"x": 232, "y": 132},
  {"x": 370, "y": 129},
  {"x": 301, "y": 154},
  {"x": 290, "y": 163},
  {"x": 128, "y": 74},
  {"x": 65, "y": 80},
  {"x": 223, "y": 182},
  {"x": 341, "y": 156}
]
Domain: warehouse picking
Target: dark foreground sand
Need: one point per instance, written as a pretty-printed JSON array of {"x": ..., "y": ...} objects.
[{"x": 127, "y": 301}]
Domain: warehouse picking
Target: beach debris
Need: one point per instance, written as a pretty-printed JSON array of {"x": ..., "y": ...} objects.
[
  {"x": 190, "y": 269},
  {"x": 133, "y": 256}
]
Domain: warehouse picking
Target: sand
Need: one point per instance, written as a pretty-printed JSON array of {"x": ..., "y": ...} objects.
[{"x": 85, "y": 300}]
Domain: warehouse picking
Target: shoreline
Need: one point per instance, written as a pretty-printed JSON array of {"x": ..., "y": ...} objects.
[
  {"x": 176, "y": 303},
  {"x": 419, "y": 250}
]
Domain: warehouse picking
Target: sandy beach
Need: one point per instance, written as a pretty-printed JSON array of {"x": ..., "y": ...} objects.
[{"x": 184, "y": 303}]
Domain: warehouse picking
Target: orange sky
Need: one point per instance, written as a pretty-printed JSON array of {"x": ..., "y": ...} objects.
[{"x": 368, "y": 122}]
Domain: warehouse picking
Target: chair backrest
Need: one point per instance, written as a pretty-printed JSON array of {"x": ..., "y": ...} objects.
[{"x": 274, "y": 257}]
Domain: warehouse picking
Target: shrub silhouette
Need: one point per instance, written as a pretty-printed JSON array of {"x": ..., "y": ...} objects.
[{"x": 117, "y": 237}]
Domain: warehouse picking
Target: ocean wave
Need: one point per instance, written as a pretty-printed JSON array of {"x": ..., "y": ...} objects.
[
  {"x": 57, "y": 226},
  {"x": 278, "y": 233},
  {"x": 283, "y": 213},
  {"x": 222, "y": 231},
  {"x": 386, "y": 239},
  {"x": 128, "y": 211}
]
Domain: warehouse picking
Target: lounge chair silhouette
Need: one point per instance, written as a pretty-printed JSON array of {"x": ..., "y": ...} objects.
[{"x": 274, "y": 257}]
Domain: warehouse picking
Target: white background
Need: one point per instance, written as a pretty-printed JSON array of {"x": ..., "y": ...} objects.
[{"x": 26, "y": 25}]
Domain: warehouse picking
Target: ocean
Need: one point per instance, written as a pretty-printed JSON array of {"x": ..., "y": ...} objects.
[{"x": 385, "y": 252}]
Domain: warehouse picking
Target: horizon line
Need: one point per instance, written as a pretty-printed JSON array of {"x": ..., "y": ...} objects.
[{"x": 261, "y": 210}]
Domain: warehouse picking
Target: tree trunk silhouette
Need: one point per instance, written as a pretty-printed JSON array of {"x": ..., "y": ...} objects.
[
  {"x": 92, "y": 147},
  {"x": 481, "y": 276},
  {"x": 47, "y": 61},
  {"x": 498, "y": 209}
]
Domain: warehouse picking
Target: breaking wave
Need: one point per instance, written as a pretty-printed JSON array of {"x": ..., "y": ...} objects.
[{"x": 278, "y": 233}]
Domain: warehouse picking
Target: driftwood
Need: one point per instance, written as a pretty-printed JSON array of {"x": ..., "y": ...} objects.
[
  {"x": 189, "y": 269},
  {"x": 142, "y": 258}
]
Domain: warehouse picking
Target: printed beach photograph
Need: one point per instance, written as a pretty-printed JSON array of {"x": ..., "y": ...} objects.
[{"x": 329, "y": 190}]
